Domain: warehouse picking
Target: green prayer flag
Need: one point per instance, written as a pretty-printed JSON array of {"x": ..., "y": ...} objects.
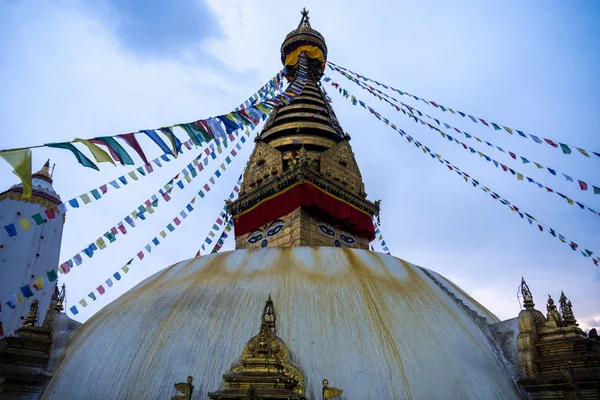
[
  {"x": 52, "y": 276},
  {"x": 496, "y": 127},
  {"x": 118, "y": 149},
  {"x": 565, "y": 148},
  {"x": 38, "y": 219},
  {"x": 92, "y": 296},
  {"x": 170, "y": 228},
  {"x": 228, "y": 160},
  {"x": 110, "y": 236},
  {"x": 81, "y": 158},
  {"x": 96, "y": 194},
  {"x": 596, "y": 189},
  {"x": 201, "y": 194},
  {"x": 525, "y": 161},
  {"x": 141, "y": 171}
]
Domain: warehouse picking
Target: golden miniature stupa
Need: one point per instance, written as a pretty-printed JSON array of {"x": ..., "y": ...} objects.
[{"x": 340, "y": 321}]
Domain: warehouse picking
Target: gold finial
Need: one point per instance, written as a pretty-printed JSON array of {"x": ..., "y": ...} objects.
[
  {"x": 269, "y": 317},
  {"x": 44, "y": 173},
  {"x": 33, "y": 316},
  {"x": 330, "y": 392},
  {"x": 527, "y": 297},
  {"x": 186, "y": 388},
  {"x": 566, "y": 309},
  {"x": 305, "y": 18}
]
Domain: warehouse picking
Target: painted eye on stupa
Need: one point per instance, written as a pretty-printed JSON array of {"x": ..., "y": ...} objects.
[
  {"x": 275, "y": 228},
  {"x": 347, "y": 239},
  {"x": 326, "y": 229},
  {"x": 254, "y": 237}
]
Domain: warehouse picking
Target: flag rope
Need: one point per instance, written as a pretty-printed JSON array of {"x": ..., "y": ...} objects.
[
  {"x": 518, "y": 175},
  {"x": 566, "y": 148},
  {"x": 140, "y": 255},
  {"x": 411, "y": 114},
  {"x": 586, "y": 253}
]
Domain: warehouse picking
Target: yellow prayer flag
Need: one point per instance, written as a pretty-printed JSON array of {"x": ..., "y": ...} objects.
[
  {"x": 538, "y": 165},
  {"x": 25, "y": 224},
  {"x": 20, "y": 298},
  {"x": 508, "y": 130},
  {"x": 582, "y": 151},
  {"x": 20, "y": 160},
  {"x": 570, "y": 201},
  {"x": 38, "y": 284},
  {"x": 443, "y": 134},
  {"x": 133, "y": 175},
  {"x": 193, "y": 201},
  {"x": 101, "y": 244},
  {"x": 125, "y": 268},
  {"x": 163, "y": 234},
  {"x": 476, "y": 138},
  {"x": 85, "y": 198},
  {"x": 188, "y": 178},
  {"x": 195, "y": 162},
  {"x": 519, "y": 176},
  {"x": 150, "y": 210},
  {"x": 99, "y": 154},
  {"x": 83, "y": 302}
]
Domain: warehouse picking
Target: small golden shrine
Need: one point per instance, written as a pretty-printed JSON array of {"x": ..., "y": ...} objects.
[
  {"x": 555, "y": 357},
  {"x": 264, "y": 370}
]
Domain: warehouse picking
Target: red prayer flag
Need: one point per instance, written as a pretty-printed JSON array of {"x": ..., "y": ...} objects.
[
  {"x": 434, "y": 103},
  {"x": 147, "y": 203},
  {"x": 595, "y": 261},
  {"x": 50, "y": 213},
  {"x": 504, "y": 167},
  {"x": 219, "y": 221},
  {"x": 100, "y": 289},
  {"x": 177, "y": 221},
  {"x": 233, "y": 152},
  {"x": 513, "y": 155},
  {"x": 485, "y": 123},
  {"x": 550, "y": 142},
  {"x": 236, "y": 189},
  {"x": 104, "y": 189},
  {"x": 114, "y": 230},
  {"x": 149, "y": 168},
  {"x": 231, "y": 137},
  {"x": 122, "y": 229},
  {"x": 550, "y": 190},
  {"x": 140, "y": 255},
  {"x": 541, "y": 228},
  {"x": 206, "y": 187},
  {"x": 65, "y": 267},
  {"x": 582, "y": 185},
  {"x": 198, "y": 253},
  {"x": 457, "y": 130},
  {"x": 132, "y": 141},
  {"x": 188, "y": 145},
  {"x": 166, "y": 196},
  {"x": 200, "y": 167},
  {"x": 573, "y": 245}
]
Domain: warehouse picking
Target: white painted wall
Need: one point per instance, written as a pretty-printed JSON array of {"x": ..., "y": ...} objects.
[{"x": 26, "y": 256}]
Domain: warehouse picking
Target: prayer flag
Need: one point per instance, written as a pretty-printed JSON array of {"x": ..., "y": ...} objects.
[
  {"x": 99, "y": 154},
  {"x": 20, "y": 161},
  {"x": 81, "y": 158},
  {"x": 175, "y": 142},
  {"x": 10, "y": 229},
  {"x": 140, "y": 255},
  {"x": 109, "y": 282},
  {"x": 92, "y": 296},
  {"x": 26, "y": 290},
  {"x": 582, "y": 151},
  {"x": 114, "y": 148},
  {"x": 132, "y": 141},
  {"x": 38, "y": 284},
  {"x": 583, "y": 185},
  {"x": 101, "y": 289},
  {"x": 156, "y": 139},
  {"x": 52, "y": 275},
  {"x": 117, "y": 276},
  {"x": 565, "y": 148},
  {"x": 25, "y": 224},
  {"x": 74, "y": 310},
  {"x": 38, "y": 219}
]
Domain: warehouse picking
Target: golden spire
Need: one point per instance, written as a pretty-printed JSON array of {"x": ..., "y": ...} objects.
[
  {"x": 44, "y": 173},
  {"x": 33, "y": 316},
  {"x": 566, "y": 309},
  {"x": 527, "y": 297}
]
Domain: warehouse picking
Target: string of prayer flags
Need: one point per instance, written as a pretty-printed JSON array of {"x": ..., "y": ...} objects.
[
  {"x": 223, "y": 236},
  {"x": 411, "y": 112},
  {"x": 518, "y": 175},
  {"x": 380, "y": 238},
  {"x": 476, "y": 183},
  {"x": 565, "y": 148},
  {"x": 147, "y": 249}
]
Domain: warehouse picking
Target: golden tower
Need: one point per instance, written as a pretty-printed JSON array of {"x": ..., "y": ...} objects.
[{"x": 302, "y": 185}]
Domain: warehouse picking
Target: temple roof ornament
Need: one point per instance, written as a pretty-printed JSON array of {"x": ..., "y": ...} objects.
[
  {"x": 566, "y": 309},
  {"x": 330, "y": 392},
  {"x": 526, "y": 294},
  {"x": 33, "y": 316},
  {"x": 264, "y": 369},
  {"x": 186, "y": 388}
]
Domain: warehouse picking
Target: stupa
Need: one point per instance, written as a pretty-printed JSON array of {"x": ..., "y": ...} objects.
[{"x": 370, "y": 324}]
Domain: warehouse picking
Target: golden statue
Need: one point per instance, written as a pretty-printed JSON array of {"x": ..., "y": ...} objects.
[
  {"x": 186, "y": 388},
  {"x": 330, "y": 392}
]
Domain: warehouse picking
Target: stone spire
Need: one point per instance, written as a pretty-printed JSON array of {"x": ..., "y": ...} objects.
[{"x": 302, "y": 186}]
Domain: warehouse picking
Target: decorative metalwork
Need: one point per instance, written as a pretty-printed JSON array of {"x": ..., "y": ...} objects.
[
  {"x": 34, "y": 314},
  {"x": 566, "y": 309},
  {"x": 186, "y": 388},
  {"x": 526, "y": 294},
  {"x": 330, "y": 392}
]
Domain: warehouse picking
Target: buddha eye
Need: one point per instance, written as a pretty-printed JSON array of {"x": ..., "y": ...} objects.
[
  {"x": 275, "y": 230},
  {"x": 347, "y": 239},
  {"x": 326, "y": 229},
  {"x": 254, "y": 237}
]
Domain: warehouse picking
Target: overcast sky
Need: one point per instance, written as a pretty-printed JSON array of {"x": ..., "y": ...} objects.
[{"x": 71, "y": 69}]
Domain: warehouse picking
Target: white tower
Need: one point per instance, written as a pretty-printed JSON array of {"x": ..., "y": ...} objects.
[{"x": 30, "y": 250}]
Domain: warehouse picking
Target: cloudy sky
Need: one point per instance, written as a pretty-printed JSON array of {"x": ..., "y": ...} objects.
[{"x": 72, "y": 69}]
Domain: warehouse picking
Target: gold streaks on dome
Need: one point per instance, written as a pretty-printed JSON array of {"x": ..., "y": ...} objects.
[{"x": 264, "y": 370}]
